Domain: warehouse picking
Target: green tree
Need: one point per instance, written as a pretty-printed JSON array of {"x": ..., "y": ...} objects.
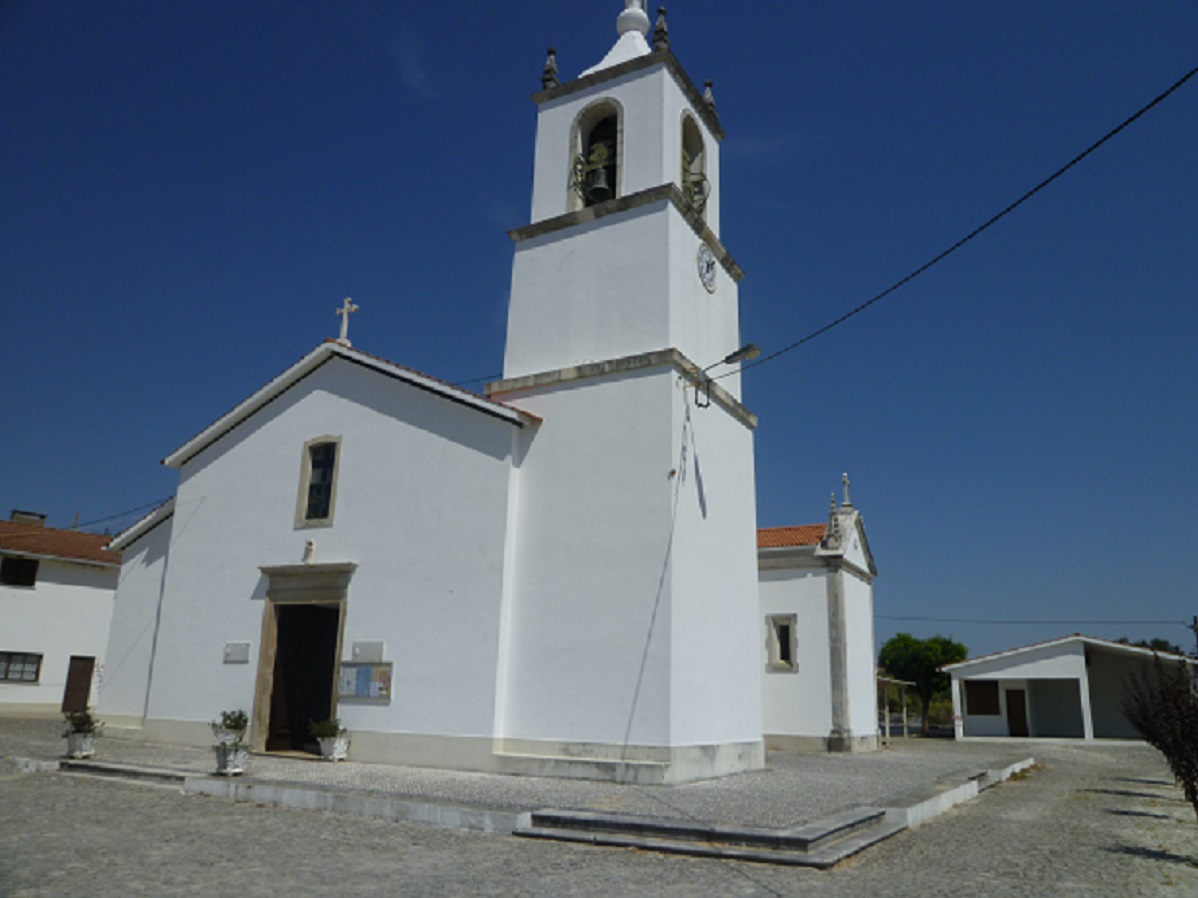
[{"x": 919, "y": 660}]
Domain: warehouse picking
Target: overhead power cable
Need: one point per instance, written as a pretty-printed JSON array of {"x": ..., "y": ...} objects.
[
  {"x": 971, "y": 235},
  {"x": 1058, "y": 623}
]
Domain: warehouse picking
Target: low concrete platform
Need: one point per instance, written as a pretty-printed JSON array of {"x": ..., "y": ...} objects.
[{"x": 801, "y": 809}]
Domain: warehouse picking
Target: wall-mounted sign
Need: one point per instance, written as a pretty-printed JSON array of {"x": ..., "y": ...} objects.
[
  {"x": 364, "y": 682},
  {"x": 237, "y": 653}
]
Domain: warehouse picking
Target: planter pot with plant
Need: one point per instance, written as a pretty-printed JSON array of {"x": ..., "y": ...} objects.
[
  {"x": 81, "y": 730},
  {"x": 230, "y": 748},
  {"x": 332, "y": 736}
]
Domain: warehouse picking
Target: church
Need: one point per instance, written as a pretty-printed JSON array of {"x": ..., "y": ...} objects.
[{"x": 561, "y": 576}]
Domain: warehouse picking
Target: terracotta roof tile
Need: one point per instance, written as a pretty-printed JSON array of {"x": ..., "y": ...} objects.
[
  {"x": 73, "y": 545},
  {"x": 785, "y": 537}
]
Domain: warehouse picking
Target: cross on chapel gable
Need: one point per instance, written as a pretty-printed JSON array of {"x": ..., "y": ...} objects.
[{"x": 347, "y": 309}]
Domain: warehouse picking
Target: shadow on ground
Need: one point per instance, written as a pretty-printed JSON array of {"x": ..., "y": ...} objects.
[
  {"x": 1141, "y": 780},
  {"x": 1152, "y": 854},
  {"x": 1121, "y": 813},
  {"x": 1125, "y": 793}
]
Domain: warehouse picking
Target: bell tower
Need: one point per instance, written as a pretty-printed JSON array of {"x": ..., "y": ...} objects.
[
  {"x": 633, "y": 649},
  {"x": 622, "y": 254}
]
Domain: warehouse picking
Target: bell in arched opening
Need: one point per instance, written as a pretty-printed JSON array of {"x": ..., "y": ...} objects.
[
  {"x": 595, "y": 167},
  {"x": 695, "y": 186}
]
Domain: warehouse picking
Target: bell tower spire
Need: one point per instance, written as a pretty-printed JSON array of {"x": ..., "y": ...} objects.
[{"x": 633, "y": 27}]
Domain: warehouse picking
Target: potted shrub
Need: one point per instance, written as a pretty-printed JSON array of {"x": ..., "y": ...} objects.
[
  {"x": 230, "y": 738},
  {"x": 334, "y": 743},
  {"x": 81, "y": 730}
]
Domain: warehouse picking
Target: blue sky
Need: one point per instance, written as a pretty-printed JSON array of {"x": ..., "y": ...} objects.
[{"x": 188, "y": 190}]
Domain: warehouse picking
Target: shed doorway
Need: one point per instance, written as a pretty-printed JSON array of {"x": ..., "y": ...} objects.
[
  {"x": 1017, "y": 712},
  {"x": 304, "y": 671}
]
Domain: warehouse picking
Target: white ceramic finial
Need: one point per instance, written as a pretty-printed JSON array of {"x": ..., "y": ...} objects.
[
  {"x": 633, "y": 25},
  {"x": 633, "y": 18}
]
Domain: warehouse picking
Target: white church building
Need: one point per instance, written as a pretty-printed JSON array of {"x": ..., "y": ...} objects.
[{"x": 559, "y": 577}]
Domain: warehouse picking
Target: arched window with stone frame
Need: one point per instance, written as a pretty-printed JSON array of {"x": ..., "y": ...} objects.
[
  {"x": 693, "y": 175},
  {"x": 596, "y": 157}
]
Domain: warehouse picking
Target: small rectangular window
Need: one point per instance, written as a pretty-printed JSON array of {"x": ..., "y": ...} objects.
[
  {"x": 20, "y": 667},
  {"x": 318, "y": 482},
  {"x": 323, "y": 457},
  {"x": 782, "y": 643},
  {"x": 981, "y": 697},
  {"x": 18, "y": 571}
]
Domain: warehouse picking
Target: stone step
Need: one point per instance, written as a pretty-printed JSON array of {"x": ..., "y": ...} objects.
[
  {"x": 124, "y": 771},
  {"x": 599, "y": 769},
  {"x": 821, "y": 843}
]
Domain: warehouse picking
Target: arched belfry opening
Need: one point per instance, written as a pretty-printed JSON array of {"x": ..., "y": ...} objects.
[
  {"x": 595, "y": 175},
  {"x": 693, "y": 177}
]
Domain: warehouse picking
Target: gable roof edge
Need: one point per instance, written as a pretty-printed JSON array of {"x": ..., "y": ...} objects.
[
  {"x": 1061, "y": 640},
  {"x": 323, "y": 353},
  {"x": 140, "y": 528}
]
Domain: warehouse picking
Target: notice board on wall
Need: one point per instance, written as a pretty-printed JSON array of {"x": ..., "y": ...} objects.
[{"x": 367, "y": 682}]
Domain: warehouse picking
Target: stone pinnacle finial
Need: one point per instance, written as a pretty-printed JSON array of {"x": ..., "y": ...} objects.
[
  {"x": 708, "y": 96},
  {"x": 633, "y": 18},
  {"x": 661, "y": 31},
  {"x": 844, "y": 478},
  {"x": 549, "y": 74},
  {"x": 832, "y": 531}
]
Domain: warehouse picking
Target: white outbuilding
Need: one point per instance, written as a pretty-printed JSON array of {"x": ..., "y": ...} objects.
[
  {"x": 1071, "y": 688},
  {"x": 56, "y": 599}
]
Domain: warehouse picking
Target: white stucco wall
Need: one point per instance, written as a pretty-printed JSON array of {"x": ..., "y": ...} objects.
[
  {"x": 134, "y": 628},
  {"x": 627, "y": 623},
  {"x": 624, "y": 284},
  {"x": 799, "y": 703},
  {"x": 66, "y": 612},
  {"x": 861, "y": 655},
  {"x": 592, "y": 535},
  {"x": 1060, "y": 661},
  {"x": 421, "y": 507},
  {"x": 715, "y": 672}
]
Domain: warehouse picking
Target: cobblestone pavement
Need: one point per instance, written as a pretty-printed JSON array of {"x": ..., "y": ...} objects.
[
  {"x": 1095, "y": 821},
  {"x": 791, "y": 789}
]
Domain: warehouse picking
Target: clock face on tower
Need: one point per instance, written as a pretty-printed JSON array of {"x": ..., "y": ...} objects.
[{"x": 707, "y": 267}]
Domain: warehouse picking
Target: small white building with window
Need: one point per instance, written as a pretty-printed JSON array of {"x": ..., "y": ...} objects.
[
  {"x": 1066, "y": 688},
  {"x": 816, "y": 593},
  {"x": 558, "y": 577},
  {"x": 56, "y": 599}
]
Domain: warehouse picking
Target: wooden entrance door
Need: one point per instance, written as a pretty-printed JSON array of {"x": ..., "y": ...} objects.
[
  {"x": 79, "y": 683},
  {"x": 1016, "y": 712},
  {"x": 305, "y": 665}
]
